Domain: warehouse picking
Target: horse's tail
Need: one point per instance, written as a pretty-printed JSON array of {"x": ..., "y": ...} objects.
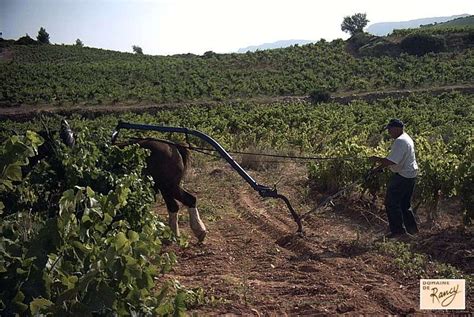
[{"x": 185, "y": 155}]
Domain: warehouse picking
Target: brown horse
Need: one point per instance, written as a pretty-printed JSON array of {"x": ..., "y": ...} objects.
[{"x": 167, "y": 165}]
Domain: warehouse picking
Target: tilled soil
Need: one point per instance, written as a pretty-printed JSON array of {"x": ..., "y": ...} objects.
[{"x": 253, "y": 263}]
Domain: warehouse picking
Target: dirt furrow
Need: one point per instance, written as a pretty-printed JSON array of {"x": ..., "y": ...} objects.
[{"x": 253, "y": 263}]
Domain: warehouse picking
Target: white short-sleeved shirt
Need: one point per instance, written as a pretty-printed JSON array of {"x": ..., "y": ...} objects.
[{"x": 403, "y": 155}]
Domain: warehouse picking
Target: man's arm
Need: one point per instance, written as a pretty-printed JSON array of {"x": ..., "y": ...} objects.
[
  {"x": 382, "y": 161},
  {"x": 396, "y": 154}
]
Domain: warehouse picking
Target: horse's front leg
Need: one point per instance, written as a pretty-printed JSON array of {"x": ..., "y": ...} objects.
[
  {"x": 197, "y": 226},
  {"x": 173, "y": 223},
  {"x": 189, "y": 200}
]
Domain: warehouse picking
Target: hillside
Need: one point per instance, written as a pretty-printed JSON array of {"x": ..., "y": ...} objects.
[
  {"x": 268, "y": 46},
  {"x": 458, "y": 22},
  {"x": 62, "y": 75},
  {"x": 385, "y": 28}
]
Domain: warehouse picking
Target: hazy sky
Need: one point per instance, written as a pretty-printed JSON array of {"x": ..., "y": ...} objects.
[{"x": 181, "y": 26}]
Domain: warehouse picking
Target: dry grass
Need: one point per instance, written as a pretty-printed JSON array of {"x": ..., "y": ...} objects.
[{"x": 258, "y": 162}]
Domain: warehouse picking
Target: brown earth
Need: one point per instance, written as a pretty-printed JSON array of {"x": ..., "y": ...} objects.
[
  {"x": 6, "y": 54},
  {"x": 253, "y": 263}
]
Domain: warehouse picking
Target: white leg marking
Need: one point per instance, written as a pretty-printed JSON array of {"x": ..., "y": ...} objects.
[
  {"x": 198, "y": 227},
  {"x": 173, "y": 221}
]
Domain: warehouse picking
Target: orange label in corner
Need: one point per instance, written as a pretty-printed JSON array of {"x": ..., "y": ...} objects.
[{"x": 442, "y": 294}]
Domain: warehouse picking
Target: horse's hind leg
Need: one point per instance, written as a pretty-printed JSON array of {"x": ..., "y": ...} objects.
[
  {"x": 173, "y": 208},
  {"x": 197, "y": 226}
]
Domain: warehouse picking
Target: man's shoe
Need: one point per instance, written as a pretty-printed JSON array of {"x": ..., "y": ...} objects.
[
  {"x": 406, "y": 238},
  {"x": 394, "y": 235},
  {"x": 412, "y": 231}
]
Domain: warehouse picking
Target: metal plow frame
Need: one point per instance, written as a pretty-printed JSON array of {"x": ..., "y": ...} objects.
[{"x": 263, "y": 190}]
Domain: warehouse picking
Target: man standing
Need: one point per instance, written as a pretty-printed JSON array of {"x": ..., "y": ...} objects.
[{"x": 402, "y": 162}]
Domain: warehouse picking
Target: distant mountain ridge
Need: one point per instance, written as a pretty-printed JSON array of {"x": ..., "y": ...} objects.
[
  {"x": 459, "y": 22},
  {"x": 384, "y": 28},
  {"x": 269, "y": 46}
]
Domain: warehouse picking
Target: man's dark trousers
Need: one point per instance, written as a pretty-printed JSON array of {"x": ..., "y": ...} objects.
[{"x": 398, "y": 204}]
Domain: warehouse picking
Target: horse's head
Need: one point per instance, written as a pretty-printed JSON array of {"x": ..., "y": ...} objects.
[
  {"x": 66, "y": 134},
  {"x": 114, "y": 137},
  {"x": 64, "y": 124}
]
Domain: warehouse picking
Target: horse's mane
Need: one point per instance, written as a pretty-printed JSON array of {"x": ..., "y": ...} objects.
[{"x": 185, "y": 154}]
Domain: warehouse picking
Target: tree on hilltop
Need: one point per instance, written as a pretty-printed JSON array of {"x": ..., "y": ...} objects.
[
  {"x": 354, "y": 24},
  {"x": 43, "y": 36},
  {"x": 137, "y": 49},
  {"x": 79, "y": 43}
]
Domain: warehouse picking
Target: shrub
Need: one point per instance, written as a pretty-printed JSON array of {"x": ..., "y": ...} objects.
[
  {"x": 258, "y": 162},
  {"x": 319, "y": 95},
  {"x": 209, "y": 54},
  {"x": 137, "y": 50},
  {"x": 421, "y": 44},
  {"x": 470, "y": 37},
  {"x": 380, "y": 48},
  {"x": 26, "y": 40},
  {"x": 360, "y": 39},
  {"x": 99, "y": 252}
]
